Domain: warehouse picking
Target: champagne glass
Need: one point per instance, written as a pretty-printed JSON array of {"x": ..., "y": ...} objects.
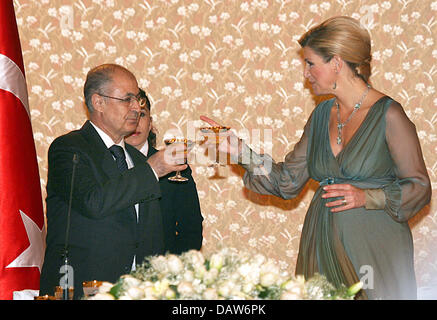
[
  {"x": 188, "y": 143},
  {"x": 46, "y": 297},
  {"x": 91, "y": 288},
  {"x": 216, "y": 130},
  {"x": 59, "y": 293}
]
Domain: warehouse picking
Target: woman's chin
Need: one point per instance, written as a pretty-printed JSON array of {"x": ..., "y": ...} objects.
[
  {"x": 132, "y": 139},
  {"x": 318, "y": 92}
]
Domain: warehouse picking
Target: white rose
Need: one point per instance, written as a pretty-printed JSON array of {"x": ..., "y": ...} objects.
[
  {"x": 161, "y": 286},
  {"x": 160, "y": 264},
  {"x": 199, "y": 271},
  {"x": 270, "y": 266},
  {"x": 259, "y": 259},
  {"x": 135, "y": 293},
  {"x": 130, "y": 282},
  {"x": 267, "y": 279},
  {"x": 226, "y": 288},
  {"x": 294, "y": 287},
  {"x": 170, "y": 294},
  {"x": 216, "y": 261},
  {"x": 250, "y": 272},
  {"x": 210, "y": 294},
  {"x": 149, "y": 293},
  {"x": 185, "y": 288},
  {"x": 210, "y": 276},
  {"x": 105, "y": 287},
  {"x": 188, "y": 275},
  {"x": 290, "y": 296},
  {"x": 174, "y": 264},
  {"x": 195, "y": 257},
  {"x": 247, "y": 287}
]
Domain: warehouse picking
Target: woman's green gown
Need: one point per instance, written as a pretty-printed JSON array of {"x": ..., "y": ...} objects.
[{"x": 372, "y": 243}]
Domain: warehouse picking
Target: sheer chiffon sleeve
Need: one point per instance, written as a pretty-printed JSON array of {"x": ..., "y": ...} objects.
[
  {"x": 412, "y": 189},
  {"x": 283, "y": 179}
]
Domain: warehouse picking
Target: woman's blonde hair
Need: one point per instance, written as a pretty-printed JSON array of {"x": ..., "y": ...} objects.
[{"x": 345, "y": 37}]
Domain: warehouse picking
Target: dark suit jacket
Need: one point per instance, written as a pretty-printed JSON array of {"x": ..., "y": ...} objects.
[
  {"x": 104, "y": 234},
  {"x": 181, "y": 215}
]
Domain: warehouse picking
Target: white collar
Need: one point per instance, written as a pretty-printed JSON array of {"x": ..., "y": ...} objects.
[
  {"x": 106, "y": 138},
  {"x": 145, "y": 148}
]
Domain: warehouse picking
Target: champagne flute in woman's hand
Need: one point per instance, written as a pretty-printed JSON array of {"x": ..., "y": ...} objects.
[
  {"x": 231, "y": 145},
  {"x": 219, "y": 132}
]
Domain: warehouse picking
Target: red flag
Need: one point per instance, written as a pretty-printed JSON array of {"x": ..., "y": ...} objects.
[{"x": 21, "y": 211}]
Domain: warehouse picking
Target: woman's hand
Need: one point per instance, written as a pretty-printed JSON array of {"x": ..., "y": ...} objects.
[
  {"x": 210, "y": 121},
  {"x": 352, "y": 197},
  {"x": 232, "y": 144}
]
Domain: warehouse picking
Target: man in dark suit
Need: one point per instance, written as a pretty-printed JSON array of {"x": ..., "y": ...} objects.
[
  {"x": 115, "y": 215},
  {"x": 180, "y": 208}
]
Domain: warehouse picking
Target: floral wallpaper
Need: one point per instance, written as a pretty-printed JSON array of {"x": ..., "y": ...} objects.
[{"x": 237, "y": 62}]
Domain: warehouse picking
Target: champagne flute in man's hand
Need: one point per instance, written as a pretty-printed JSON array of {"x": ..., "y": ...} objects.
[{"x": 187, "y": 144}]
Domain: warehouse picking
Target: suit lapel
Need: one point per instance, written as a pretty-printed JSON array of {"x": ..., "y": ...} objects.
[
  {"x": 151, "y": 151},
  {"x": 98, "y": 151},
  {"x": 109, "y": 166},
  {"x": 136, "y": 156}
]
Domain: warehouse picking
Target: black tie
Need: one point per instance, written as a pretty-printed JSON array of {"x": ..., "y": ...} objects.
[{"x": 120, "y": 157}]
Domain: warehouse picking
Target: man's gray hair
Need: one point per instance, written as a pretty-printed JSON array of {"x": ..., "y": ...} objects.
[{"x": 96, "y": 81}]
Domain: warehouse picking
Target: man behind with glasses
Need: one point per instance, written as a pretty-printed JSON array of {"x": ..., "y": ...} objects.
[{"x": 180, "y": 208}]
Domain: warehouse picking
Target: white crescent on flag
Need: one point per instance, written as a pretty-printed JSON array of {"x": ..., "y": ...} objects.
[{"x": 12, "y": 80}]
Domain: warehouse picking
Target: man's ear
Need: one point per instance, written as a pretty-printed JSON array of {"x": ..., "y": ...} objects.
[{"x": 98, "y": 102}]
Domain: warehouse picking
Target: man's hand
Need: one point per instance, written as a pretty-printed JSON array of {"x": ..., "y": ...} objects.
[{"x": 169, "y": 159}]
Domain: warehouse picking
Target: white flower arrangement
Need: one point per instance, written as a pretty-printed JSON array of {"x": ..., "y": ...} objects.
[{"x": 227, "y": 274}]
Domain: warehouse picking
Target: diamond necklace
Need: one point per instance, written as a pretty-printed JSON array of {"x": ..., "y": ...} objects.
[{"x": 357, "y": 106}]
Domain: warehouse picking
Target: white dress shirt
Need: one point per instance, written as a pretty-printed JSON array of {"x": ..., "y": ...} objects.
[{"x": 145, "y": 148}]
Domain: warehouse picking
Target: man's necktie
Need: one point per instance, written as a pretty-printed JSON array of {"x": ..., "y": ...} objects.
[
  {"x": 120, "y": 157},
  {"x": 120, "y": 160}
]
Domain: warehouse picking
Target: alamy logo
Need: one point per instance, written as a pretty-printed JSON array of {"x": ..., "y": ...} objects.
[
  {"x": 367, "y": 19},
  {"x": 67, "y": 279},
  {"x": 67, "y": 17},
  {"x": 367, "y": 278}
]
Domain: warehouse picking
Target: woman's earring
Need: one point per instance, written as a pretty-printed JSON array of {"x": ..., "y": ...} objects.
[{"x": 335, "y": 83}]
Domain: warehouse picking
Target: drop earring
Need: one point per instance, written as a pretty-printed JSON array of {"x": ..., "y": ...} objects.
[{"x": 335, "y": 82}]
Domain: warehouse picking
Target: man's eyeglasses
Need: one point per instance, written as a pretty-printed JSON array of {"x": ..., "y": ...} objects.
[{"x": 130, "y": 100}]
